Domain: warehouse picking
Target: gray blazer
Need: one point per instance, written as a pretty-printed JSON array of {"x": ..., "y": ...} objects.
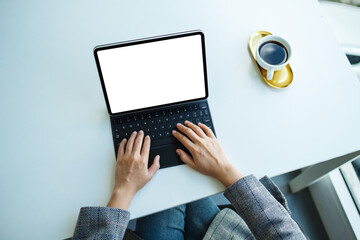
[{"x": 262, "y": 213}]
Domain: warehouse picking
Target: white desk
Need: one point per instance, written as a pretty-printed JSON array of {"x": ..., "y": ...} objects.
[{"x": 56, "y": 147}]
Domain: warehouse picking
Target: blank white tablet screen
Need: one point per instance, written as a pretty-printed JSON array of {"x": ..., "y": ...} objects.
[{"x": 154, "y": 73}]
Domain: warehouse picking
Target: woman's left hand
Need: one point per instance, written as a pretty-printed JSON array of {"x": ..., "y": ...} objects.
[{"x": 132, "y": 172}]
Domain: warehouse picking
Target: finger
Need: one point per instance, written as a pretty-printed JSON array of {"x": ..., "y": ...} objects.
[
  {"x": 196, "y": 129},
  {"x": 188, "y": 132},
  {"x": 184, "y": 140},
  {"x": 154, "y": 166},
  {"x": 185, "y": 158},
  {"x": 146, "y": 147},
  {"x": 130, "y": 143},
  {"x": 138, "y": 142},
  {"x": 207, "y": 130},
  {"x": 121, "y": 149}
]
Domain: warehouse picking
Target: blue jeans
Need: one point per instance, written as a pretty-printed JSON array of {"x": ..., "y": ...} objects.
[{"x": 189, "y": 221}]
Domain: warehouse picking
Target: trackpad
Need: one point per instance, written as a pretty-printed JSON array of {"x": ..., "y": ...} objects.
[{"x": 168, "y": 156}]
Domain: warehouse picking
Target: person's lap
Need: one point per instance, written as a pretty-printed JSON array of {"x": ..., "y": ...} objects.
[
  {"x": 168, "y": 224},
  {"x": 189, "y": 221}
]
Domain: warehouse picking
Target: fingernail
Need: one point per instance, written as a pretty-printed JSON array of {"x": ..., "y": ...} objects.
[
  {"x": 134, "y": 132},
  {"x": 178, "y": 124},
  {"x": 186, "y": 121},
  {"x": 147, "y": 136},
  {"x": 173, "y": 131},
  {"x": 141, "y": 131},
  {"x": 124, "y": 139},
  {"x": 178, "y": 151}
]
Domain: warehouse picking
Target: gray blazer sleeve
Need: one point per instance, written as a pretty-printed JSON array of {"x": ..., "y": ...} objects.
[
  {"x": 265, "y": 216},
  {"x": 101, "y": 223}
]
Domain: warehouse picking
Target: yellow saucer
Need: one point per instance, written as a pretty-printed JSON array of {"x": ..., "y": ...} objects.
[{"x": 283, "y": 77}]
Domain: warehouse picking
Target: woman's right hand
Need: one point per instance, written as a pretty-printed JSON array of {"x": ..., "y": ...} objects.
[{"x": 207, "y": 155}]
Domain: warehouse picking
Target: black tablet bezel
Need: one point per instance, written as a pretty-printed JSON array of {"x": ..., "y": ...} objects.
[{"x": 147, "y": 40}]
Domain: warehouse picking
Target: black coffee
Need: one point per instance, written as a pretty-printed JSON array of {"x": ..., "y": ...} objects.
[{"x": 273, "y": 53}]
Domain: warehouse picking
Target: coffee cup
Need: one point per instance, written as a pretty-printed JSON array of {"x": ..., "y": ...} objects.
[{"x": 272, "y": 54}]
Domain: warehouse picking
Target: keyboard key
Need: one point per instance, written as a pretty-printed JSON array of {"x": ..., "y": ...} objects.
[
  {"x": 206, "y": 119},
  {"x": 145, "y": 124},
  {"x": 206, "y": 112},
  {"x": 201, "y": 113},
  {"x": 117, "y": 136},
  {"x": 203, "y": 105},
  {"x": 153, "y": 136},
  {"x": 167, "y": 133},
  {"x": 162, "y": 127},
  {"x": 192, "y": 120}
]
